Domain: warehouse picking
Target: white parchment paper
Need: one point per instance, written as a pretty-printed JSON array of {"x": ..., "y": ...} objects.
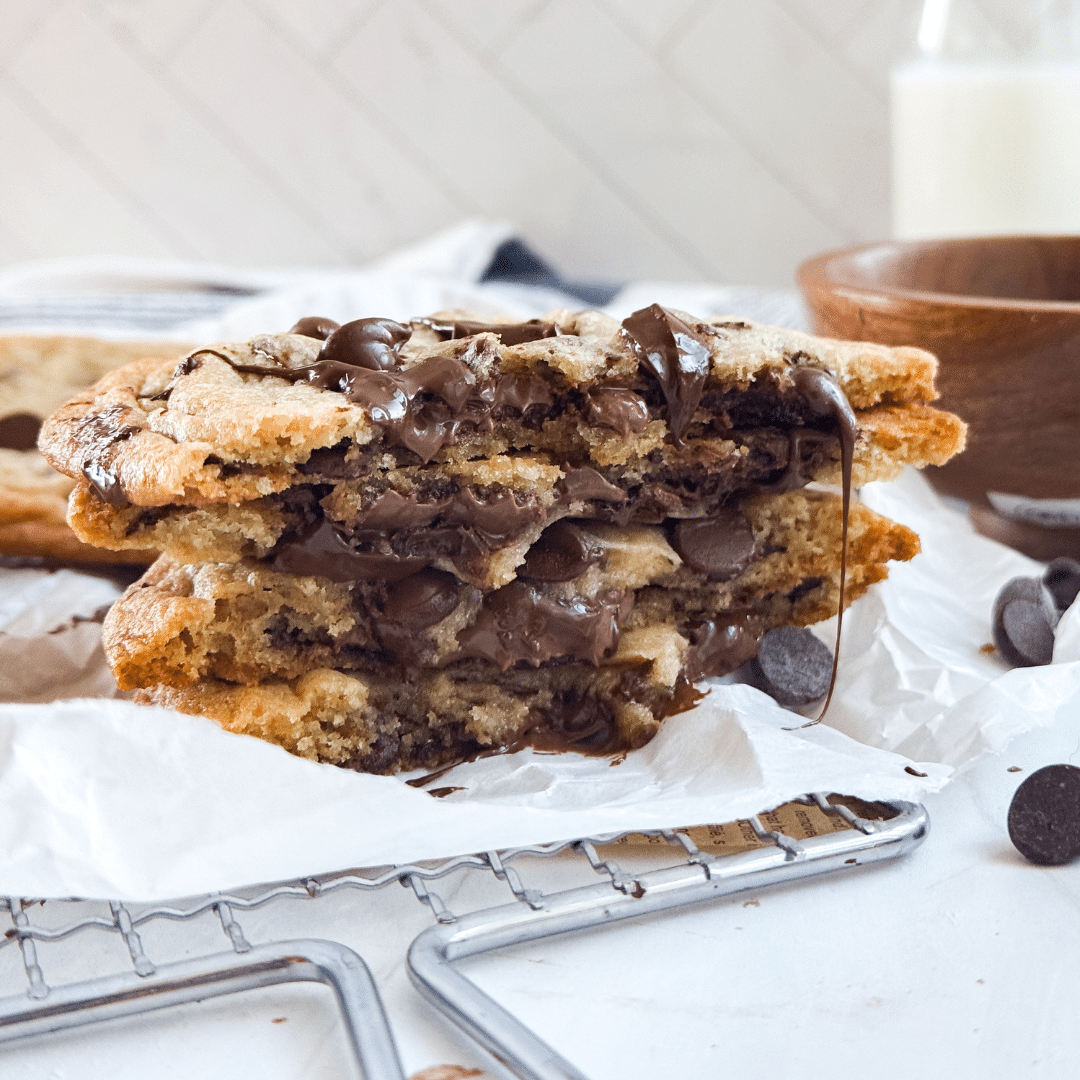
[{"x": 101, "y": 797}]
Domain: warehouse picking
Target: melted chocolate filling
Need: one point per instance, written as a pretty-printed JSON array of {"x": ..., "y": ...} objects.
[
  {"x": 518, "y": 624},
  {"x": 102, "y": 434},
  {"x": 675, "y": 355},
  {"x": 507, "y": 333}
]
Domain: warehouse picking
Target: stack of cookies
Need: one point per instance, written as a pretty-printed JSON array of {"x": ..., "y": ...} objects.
[{"x": 392, "y": 546}]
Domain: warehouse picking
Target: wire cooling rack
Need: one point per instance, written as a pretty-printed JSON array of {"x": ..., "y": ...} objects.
[{"x": 814, "y": 835}]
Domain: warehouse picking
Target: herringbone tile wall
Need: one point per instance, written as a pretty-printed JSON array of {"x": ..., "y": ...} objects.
[{"x": 681, "y": 139}]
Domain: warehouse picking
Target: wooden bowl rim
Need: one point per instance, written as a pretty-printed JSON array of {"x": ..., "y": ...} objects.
[{"x": 811, "y": 275}]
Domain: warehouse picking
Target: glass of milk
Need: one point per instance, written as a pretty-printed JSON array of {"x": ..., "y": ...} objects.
[{"x": 986, "y": 121}]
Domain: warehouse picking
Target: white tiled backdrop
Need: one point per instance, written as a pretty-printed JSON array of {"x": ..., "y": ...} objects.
[{"x": 722, "y": 140}]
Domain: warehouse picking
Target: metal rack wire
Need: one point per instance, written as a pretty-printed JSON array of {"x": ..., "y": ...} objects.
[{"x": 768, "y": 856}]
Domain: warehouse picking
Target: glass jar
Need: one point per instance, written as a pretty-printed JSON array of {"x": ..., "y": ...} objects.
[{"x": 986, "y": 121}]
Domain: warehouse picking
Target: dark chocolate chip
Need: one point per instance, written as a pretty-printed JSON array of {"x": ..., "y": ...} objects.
[
  {"x": 1062, "y": 578},
  {"x": 562, "y": 553},
  {"x": 793, "y": 665},
  {"x": 19, "y": 431},
  {"x": 721, "y": 546},
  {"x": 366, "y": 343},
  {"x": 315, "y": 326},
  {"x": 1044, "y": 817},
  {"x": 422, "y": 600},
  {"x": 1024, "y": 618}
]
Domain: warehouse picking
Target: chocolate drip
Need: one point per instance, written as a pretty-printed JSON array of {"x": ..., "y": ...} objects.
[
  {"x": 102, "y": 434},
  {"x": 326, "y": 553},
  {"x": 19, "y": 431},
  {"x": 562, "y": 553},
  {"x": 616, "y": 408},
  {"x": 719, "y": 646},
  {"x": 585, "y": 484},
  {"x": 825, "y": 396},
  {"x": 507, "y": 333},
  {"x": 722, "y": 546},
  {"x": 517, "y": 623},
  {"x": 314, "y": 326},
  {"x": 675, "y": 355}
]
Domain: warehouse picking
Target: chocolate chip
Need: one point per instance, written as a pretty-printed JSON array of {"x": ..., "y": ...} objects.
[
  {"x": 793, "y": 666},
  {"x": 1044, "y": 817},
  {"x": 1062, "y": 578},
  {"x": 1024, "y": 618},
  {"x": 422, "y": 600},
  {"x": 19, "y": 431},
  {"x": 366, "y": 343},
  {"x": 314, "y": 326},
  {"x": 562, "y": 553},
  {"x": 721, "y": 546}
]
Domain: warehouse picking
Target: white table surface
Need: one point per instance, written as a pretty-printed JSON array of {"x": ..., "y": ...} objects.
[{"x": 958, "y": 960}]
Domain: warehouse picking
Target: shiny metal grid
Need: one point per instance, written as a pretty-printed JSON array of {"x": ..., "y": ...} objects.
[{"x": 698, "y": 876}]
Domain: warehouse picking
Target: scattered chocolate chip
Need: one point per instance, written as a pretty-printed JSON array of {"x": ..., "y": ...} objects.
[
  {"x": 314, "y": 326},
  {"x": 1062, "y": 578},
  {"x": 913, "y": 772},
  {"x": 1044, "y": 817},
  {"x": 793, "y": 665},
  {"x": 1024, "y": 618}
]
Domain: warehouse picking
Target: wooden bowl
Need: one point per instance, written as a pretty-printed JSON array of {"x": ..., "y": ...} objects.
[{"x": 1002, "y": 314}]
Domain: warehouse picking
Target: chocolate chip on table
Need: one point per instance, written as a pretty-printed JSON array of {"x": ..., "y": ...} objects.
[
  {"x": 1044, "y": 817},
  {"x": 793, "y": 666},
  {"x": 1062, "y": 578},
  {"x": 1024, "y": 618}
]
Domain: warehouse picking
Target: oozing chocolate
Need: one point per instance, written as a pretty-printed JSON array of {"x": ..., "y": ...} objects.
[
  {"x": 824, "y": 395},
  {"x": 721, "y": 546},
  {"x": 103, "y": 433},
  {"x": 518, "y": 624},
  {"x": 584, "y": 485},
  {"x": 616, "y": 408},
  {"x": 325, "y": 553},
  {"x": 675, "y": 355},
  {"x": 314, "y": 326},
  {"x": 719, "y": 646},
  {"x": 563, "y": 552},
  {"x": 507, "y": 333},
  {"x": 19, "y": 431}
]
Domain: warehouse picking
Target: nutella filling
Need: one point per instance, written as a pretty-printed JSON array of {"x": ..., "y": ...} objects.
[
  {"x": 326, "y": 553},
  {"x": 19, "y": 431},
  {"x": 413, "y": 605},
  {"x": 719, "y": 646},
  {"x": 518, "y": 624},
  {"x": 616, "y": 408}
]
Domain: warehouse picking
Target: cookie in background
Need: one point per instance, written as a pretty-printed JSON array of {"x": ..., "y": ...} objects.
[{"x": 38, "y": 373}]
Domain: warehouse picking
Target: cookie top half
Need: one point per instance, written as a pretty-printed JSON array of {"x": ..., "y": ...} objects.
[{"x": 233, "y": 422}]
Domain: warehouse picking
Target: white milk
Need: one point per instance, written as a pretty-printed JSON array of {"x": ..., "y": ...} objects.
[{"x": 983, "y": 149}]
